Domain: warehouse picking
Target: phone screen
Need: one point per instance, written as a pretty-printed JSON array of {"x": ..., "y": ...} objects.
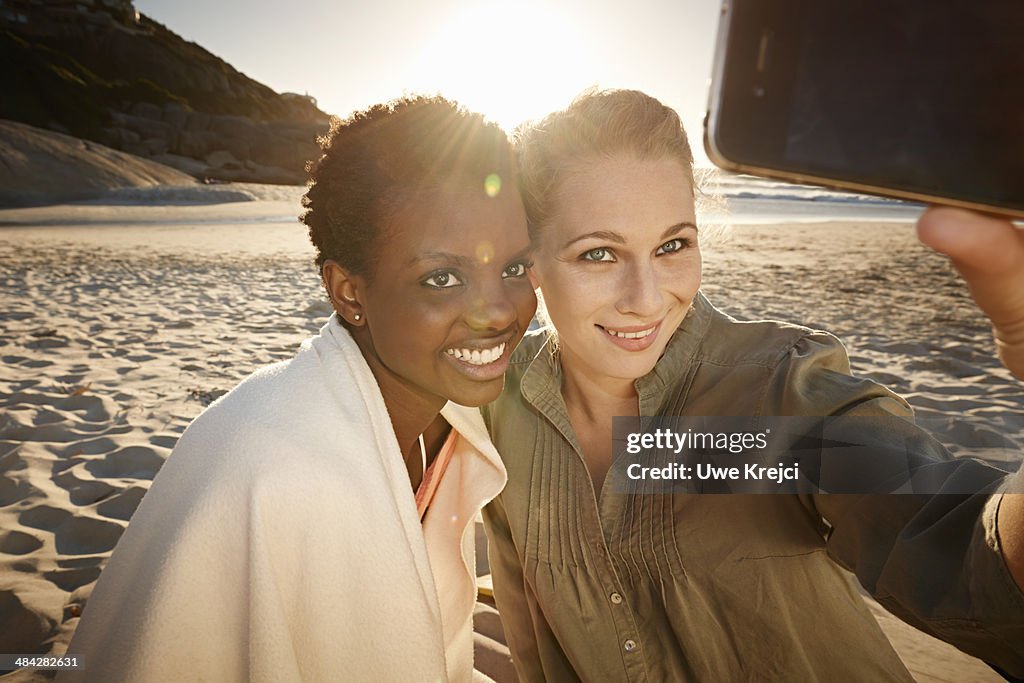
[{"x": 914, "y": 95}]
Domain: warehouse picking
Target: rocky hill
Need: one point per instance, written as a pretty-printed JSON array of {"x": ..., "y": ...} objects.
[{"x": 99, "y": 70}]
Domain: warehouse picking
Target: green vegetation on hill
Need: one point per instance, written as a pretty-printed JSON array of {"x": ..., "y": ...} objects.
[{"x": 50, "y": 89}]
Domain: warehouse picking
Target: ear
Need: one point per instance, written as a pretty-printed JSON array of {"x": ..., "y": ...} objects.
[{"x": 345, "y": 290}]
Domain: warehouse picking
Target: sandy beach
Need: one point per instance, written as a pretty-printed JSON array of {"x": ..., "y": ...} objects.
[{"x": 121, "y": 323}]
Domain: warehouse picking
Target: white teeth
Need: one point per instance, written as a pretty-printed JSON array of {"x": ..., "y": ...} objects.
[
  {"x": 476, "y": 356},
  {"x": 630, "y": 335}
]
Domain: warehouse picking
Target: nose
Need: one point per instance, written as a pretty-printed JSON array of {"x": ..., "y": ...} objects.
[
  {"x": 491, "y": 308},
  {"x": 640, "y": 291}
]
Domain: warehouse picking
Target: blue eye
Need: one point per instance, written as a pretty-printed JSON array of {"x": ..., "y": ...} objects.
[
  {"x": 442, "y": 280},
  {"x": 599, "y": 254},
  {"x": 672, "y": 246},
  {"x": 517, "y": 269}
]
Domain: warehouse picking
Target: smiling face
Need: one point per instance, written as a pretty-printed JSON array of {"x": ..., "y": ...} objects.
[
  {"x": 449, "y": 297},
  {"x": 619, "y": 264}
]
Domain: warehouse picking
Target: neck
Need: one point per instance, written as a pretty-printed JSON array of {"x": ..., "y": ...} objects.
[
  {"x": 593, "y": 394},
  {"x": 412, "y": 411}
]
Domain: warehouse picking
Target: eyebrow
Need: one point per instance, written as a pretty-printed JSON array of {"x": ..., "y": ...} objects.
[
  {"x": 460, "y": 260},
  {"x": 615, "y": 237}
]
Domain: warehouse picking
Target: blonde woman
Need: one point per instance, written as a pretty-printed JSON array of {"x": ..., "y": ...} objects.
[{"x": 594, "y": 584}]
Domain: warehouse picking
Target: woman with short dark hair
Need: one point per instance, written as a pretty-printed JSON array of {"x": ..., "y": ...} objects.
[{"x": 317, "y": 522}]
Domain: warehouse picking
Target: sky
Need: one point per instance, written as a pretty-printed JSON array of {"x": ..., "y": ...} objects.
[{"x": 509, "y": 60}]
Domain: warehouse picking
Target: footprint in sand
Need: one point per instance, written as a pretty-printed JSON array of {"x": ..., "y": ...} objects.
[
  {"x": 48, "y": 343},
  {"x": 133, "y": 462},
  {"x": 164, "y": 440},
  {"x": 84, "y": 491},
  {"x": 945, "y": 365},
  {"x": 70, "y": 579},
  {"x": 903, "y": 348},
  {"x": 123, "y": 505},
  {"x": 91, "y": 446},
  {"x": 13, "y": 490},
  {"x": 90, "y": 408},
  {"x": 19, "y": 543},
  {"x": 47, "y": 417},
  {"x": 45, "y": 517},
  {"x": 87, "y": 536},
  {"x": 21, "y": 629}
]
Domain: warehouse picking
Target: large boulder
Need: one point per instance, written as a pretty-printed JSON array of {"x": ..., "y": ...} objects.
[{"x": 43, "y": 167}]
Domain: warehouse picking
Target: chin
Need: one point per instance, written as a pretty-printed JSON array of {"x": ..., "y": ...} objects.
[
  {"x": 638, "y": 366},
  {"x": 484, "y": 393}
]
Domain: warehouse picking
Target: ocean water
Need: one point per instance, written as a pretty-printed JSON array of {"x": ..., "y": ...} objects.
[
  {"x": 745, "y": 199},
  {"x": 732, "y": 198}
]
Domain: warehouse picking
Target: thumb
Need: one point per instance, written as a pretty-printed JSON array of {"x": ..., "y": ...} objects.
[{"x": 989, "y": 254}]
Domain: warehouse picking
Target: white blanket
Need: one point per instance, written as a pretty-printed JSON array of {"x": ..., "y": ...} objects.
[{"x": 281, "y": 542}]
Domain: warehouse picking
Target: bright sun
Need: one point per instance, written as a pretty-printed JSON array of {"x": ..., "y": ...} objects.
[{"x": 509, "y": 64}]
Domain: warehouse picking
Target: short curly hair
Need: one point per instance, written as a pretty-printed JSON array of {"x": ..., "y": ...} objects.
[
  {"x": 597, "y": 125},
  {"x": 376, "y": 160}
]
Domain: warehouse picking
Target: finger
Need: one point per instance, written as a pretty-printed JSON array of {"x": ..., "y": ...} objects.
[
  {"x": 989, "y": 254},
  {"x": 980, "y": 244}
]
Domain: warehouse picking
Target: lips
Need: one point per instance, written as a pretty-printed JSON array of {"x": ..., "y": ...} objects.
[
  {"x": 632, "y": 338},
  {"x": 484, "y": 361},
  {"x": 478, "y": 356},
  {"x": 631, "y": 335}
]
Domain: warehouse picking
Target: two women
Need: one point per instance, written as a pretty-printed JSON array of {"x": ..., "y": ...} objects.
[
  {"x": 316, "y": 523},
  {"x": 593, "y": 584}
]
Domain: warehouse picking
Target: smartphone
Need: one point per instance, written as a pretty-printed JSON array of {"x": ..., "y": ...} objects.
[{"x": 913, "y": 99}]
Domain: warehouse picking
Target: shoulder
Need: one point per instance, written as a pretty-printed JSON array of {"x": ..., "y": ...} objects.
[
  {"x": 281, "y": 412},
  {"x": 533, "y": 344},
  {"x": 793, "y": 369},
  {"x": 535, "y": 348},
  {"x": 769, "y": 343},
  {"x": 267, "y": 397}
]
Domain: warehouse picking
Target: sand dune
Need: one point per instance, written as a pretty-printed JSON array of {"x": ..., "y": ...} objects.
[{"x": 115, "y": 337}]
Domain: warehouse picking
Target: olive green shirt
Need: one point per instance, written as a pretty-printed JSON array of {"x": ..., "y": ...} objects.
[{"x": 732, "y": 587}]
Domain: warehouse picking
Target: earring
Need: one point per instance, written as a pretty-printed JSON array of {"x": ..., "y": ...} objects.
[{"x": 357, "y": 317}]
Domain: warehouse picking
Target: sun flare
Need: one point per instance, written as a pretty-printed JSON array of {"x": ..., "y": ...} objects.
[{"x": 511, "y": 64}]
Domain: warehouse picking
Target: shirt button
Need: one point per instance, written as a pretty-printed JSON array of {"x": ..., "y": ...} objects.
[
  {"x": 629, "y": 645},
  {"x": 616, "y": 598}
]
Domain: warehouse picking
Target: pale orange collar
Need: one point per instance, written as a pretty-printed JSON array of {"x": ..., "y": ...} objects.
[{"x": 432, "y": 477}]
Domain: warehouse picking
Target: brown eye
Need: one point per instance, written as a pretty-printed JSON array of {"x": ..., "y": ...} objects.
[
  {"x": 517, "y": 269},
  {"x": 442, "y": 280}
]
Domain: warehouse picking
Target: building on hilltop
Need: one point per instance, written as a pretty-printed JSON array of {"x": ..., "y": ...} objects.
[{"x": 296, "y": 97}]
